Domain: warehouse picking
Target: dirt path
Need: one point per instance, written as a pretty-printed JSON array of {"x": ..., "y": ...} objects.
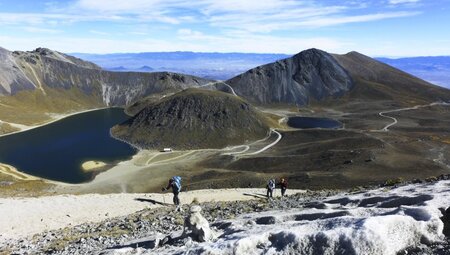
[
  {"x": 223, "y": 83},
  {"x": 268, "y": 146},
  {"x": 395, "y": 121}
]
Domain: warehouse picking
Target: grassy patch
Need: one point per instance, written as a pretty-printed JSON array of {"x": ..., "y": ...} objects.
[
  {"x": 19, "y": 188},
  {"x": 31, "y": 107}
]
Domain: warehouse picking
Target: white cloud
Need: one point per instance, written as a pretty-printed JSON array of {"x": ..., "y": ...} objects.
[
  {"x": 118, "y": 6},
  {"x": 96, "y": 32},
  {"x": 242, "y": 41},
  {"x": 252, "y": 15},
  {"x": 329, "y": 21},
  {"x": 201, "y": 25},
  {"x": 403, "y": 1},
  {"x": 262, "y": 16},
  {"x": 52, "y": 18},
  {"x": 42, "y": 30},
  {"x": 188, "y": 32}
]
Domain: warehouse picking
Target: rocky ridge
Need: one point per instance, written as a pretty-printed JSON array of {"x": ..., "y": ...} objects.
[{"x": 44, "y": 69}]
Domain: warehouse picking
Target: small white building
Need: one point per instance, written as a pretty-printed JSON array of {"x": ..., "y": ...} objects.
[{"x": 167, "y": 150}]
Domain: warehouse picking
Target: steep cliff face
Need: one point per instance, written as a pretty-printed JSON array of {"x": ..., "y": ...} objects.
[
  {"x": 12, "y": 78},
  {"x": 43, "y": 68},
  {"x": 194, "y": 119},
  {"x": 310, "y": 75}
]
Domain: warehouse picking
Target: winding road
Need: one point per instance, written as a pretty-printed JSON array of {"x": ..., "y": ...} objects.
[
  {"x": 270, "y": 145},
  {"x": 221, "y": 82},
  {"x": 395, "y": 121}
]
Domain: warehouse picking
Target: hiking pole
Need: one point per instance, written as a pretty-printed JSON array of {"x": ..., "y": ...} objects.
[{"x": 164, "y": 195}]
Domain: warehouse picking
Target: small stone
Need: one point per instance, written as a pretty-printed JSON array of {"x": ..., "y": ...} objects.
[{"x": 268, "y": 220}]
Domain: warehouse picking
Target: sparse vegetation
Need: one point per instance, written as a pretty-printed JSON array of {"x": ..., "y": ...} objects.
[
  {"x": 392, "y": 182},
  {"x": 32, "y": 107}
]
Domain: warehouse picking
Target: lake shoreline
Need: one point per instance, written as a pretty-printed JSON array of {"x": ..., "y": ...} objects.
[
  {"x": 61, "y": 117},
  {"x": 28, "y": 169}
]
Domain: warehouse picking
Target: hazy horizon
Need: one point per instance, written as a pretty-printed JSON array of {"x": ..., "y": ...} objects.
[{"x": 218, "y": 52}]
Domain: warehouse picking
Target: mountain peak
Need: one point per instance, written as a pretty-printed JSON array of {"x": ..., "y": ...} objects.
[
  {"x": 311, "y": 52},
  {"x": 312, "y": 74},
  {"x": 43, "y": 51}
]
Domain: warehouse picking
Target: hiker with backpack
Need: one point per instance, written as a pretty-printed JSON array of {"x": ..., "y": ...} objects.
[
  {"x": 283, "y": 185},
  {"x": 270, "y": 188},
  {"x": 175, "y": 185}
]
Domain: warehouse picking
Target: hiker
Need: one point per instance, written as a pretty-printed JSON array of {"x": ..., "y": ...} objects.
[
  {"x": 270, "y": 188},
  {"x": 283, "y": 185},
  {"x": 175, "y": 184}
]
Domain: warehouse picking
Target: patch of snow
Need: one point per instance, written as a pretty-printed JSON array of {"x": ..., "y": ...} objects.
[{"x": 380, "y": 221}]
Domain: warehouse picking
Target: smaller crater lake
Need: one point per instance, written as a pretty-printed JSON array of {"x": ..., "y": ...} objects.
[
  {"x": 312, "y": 122},
  {"x": 56, "y": 151}
]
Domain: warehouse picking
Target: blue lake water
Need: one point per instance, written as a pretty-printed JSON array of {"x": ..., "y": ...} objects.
[
  {"x": 311, "y": 122},
  {"x": 57, "y": 150}
]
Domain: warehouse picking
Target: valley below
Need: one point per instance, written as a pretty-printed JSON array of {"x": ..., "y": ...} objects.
[
  {"x": 361, "y": 144},
  {"x": 360, "y": 153}
]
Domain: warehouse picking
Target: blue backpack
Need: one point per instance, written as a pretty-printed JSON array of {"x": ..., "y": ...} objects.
[
  {"x": 271, "y": 184},
  {"x": 176, "y": 182}
]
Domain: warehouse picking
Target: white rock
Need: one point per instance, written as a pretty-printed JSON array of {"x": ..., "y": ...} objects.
[{"x": 196, "y": 226}]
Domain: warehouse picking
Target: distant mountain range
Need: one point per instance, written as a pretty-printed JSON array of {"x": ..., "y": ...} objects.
[
  {"x": 223, "y": 66},
  {"x": 435, "y": 70},
  {"x": 124, "y": 69},
  {"x": 217, "y": 66}
]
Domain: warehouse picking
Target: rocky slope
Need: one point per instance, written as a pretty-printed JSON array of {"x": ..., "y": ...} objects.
[
  {"x": 310, "y": 75},
  {"x": 317, "y": 76},
  {"x": 405, "y": 219},
  {"x": 44, "y": 69},
  {"x": 194, "y": 119}
]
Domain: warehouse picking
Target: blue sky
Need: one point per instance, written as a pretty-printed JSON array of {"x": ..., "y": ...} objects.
[{"x": 375, "y": 28}]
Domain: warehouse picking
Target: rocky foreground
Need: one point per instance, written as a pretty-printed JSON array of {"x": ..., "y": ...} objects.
[
  {"x": 406, "y": 219},
  {"x": 95, "y": 237}
]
